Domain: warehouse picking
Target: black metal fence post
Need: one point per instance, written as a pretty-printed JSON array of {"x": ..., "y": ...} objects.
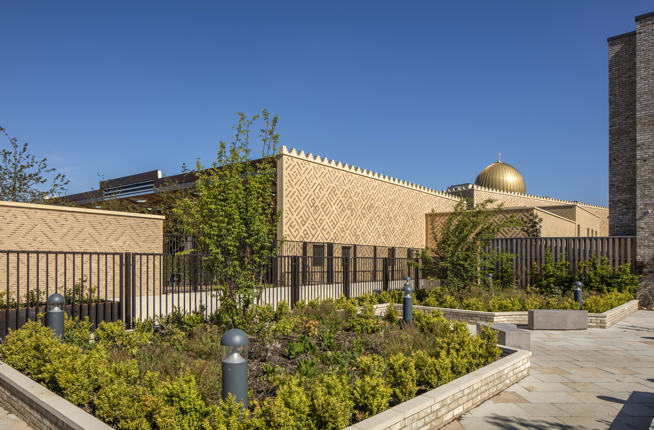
[
  {"x": 374, "y": 264},
  {"x": 385, "y": 275},
  {"x": 127, "y": 294},
  {"x": 346, "y": 277},
  {"x": 330, "y": 263},
  {"x": 354, "y": 264},
  {"x": 304, "y": 263},
  {"x": 295, "y": 280}
]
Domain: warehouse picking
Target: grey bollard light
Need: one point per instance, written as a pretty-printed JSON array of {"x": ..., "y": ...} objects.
[
  {"x": 577, "y": 292},
  {"x": 54, "y": 318},
  {"x": 407, "y": 302},
  {"x": 490, "y": 283},
  {"x": 235, "y": 365}
]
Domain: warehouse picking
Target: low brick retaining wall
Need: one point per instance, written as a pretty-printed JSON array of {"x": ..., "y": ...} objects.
[
  {"x": 39, "y": 407},
  {"x": 436, "y": 408},
  {"x": 605, "y": 320},
  {"x": 610, "y": 317}
]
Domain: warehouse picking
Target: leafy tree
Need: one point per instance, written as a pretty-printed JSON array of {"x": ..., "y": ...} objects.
[
  {"x": 459, "y": 258},
  {"x": 532, "y": 225},
  {"x": 233, "y": 216},
  {"x": 23, "y": 177}
]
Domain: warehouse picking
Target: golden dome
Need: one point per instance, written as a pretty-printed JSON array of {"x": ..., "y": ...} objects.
[{"x": 503, "y": 177}]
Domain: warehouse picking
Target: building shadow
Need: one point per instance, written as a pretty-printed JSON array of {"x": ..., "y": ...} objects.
[{"x": 636, "y": 413}]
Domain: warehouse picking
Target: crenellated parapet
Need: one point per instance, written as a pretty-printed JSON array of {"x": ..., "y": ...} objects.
[{"x": 363, "y": 172}]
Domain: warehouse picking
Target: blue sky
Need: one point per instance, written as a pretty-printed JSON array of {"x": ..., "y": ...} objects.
[{"x": 425, "y": 91}]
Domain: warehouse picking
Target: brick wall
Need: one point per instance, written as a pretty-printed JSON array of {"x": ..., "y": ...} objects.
[
  {"x": 326, "y": 201},
  {"x": 645, "y": 146},
  {"x": 66, "y": 233},
  {"x": 442, "y": 405},
  {"x": 516, "y": 200},
  {"x": 622, "y": 135}
]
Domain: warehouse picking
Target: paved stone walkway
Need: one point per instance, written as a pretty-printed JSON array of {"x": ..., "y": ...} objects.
[
  {"x": 590, "y": 379},
  {"x": 9, "y": 421}
]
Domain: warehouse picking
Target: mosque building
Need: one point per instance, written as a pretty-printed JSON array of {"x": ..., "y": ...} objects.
[{"x": 365, "y": 213}]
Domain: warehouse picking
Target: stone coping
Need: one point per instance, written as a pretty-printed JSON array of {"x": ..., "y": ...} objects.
[
  {"x": 78, "y": 210},
  {"x": 603, "y": 320},
  {"x": 39, "y": 407},
  {"x": 437, "y": 407}
]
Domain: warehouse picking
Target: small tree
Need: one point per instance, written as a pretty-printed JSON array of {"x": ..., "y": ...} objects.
[
  {"x": 532, "y": 225},
  {"x": 22, "y": 176},
  {"x": 459, "y": 257},
  {"x": 233, "y": 216}
]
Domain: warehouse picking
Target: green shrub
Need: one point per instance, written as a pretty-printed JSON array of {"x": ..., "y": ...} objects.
[
  {"x": 432, "y": 372},
  {"x": 553, "y": 278},
  {"x": 110, "y": 333},
  {"x": 402, "y": 377},
  {"x": 331, "y": 402},
  {"x": 282, "y": 311},
  {"x": 77, "y": 332},
  {"x": 623, "y": 281},
  {"x": 426, "y": 321},
  {"x": 498, "y": 304},
  {"x": 295, "y": 399},
  {"x": 391, "y": 315},
  {"x": 372, "y": 365},
  {"x": 371, "y": 395},
  {"x": 531, "y": 303},
  {"x": 601, "y": 304},
  {"x": 473, "y": 304}
]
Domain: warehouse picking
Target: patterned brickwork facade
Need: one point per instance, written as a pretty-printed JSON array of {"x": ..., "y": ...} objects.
[
  {"x": 511, "y": 200},
  {"x": 67, "y": 232},
  {"x": 622, "y": 135},
  {"x": 325, "y": 201},
  {"x": 645, "y": 146},
  {"x": 27, "y": 227},
  {"x": 554, "y": 225}
]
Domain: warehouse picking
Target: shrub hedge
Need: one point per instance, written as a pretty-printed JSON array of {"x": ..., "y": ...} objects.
[{"x": 355, "y": 366}]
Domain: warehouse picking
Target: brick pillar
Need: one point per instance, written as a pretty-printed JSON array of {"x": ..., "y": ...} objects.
[
  {"x": 645, "y": 152},
  {"x": 622, "y": 135}
]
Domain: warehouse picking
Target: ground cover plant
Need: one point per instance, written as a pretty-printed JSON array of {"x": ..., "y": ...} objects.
[{"x": 321, "y": 365}]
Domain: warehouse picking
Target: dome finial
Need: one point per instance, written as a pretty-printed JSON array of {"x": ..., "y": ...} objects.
[{"x": 498, "y": 157}]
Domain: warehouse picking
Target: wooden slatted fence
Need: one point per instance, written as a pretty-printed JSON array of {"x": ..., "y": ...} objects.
[{"x": 619, "y": 250}]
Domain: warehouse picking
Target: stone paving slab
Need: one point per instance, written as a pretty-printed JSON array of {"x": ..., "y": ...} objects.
[
  {"x": 587, "y": 379},
  {"x": 9, "y": 421}
]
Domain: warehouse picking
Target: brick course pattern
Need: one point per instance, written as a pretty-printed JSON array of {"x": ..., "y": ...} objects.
[
  {"x": 645, "y": 147},
  {"x": 28, "y": 227},
  {"x": 326, "y": 201},
  {"x": 615, "y": 315},
  {"x": 45, "y": 228},
  {"x": 438, "y": 407},
  {"x": 39, "y": 407},
  {"x": 511, "y": 199},
  {"x": 622, "y": 135}
]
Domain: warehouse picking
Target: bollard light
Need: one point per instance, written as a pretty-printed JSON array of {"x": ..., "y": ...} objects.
[
  {"x": 54, "y": 317},
  {"x": 577, "y": 292},
  {"x": 407, "y": 302},
  {"x": 490, "y": 284},
  {"x": 235, "y": 365}
]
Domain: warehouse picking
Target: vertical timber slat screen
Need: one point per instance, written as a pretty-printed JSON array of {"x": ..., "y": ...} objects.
[{"x": 529, "y": 251}]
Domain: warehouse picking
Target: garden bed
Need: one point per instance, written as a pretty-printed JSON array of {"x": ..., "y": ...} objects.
[
  {"x": 324, "y": 365},
  {"x": 438, "y": 407},
  {"x": 595, "y": 320}
]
